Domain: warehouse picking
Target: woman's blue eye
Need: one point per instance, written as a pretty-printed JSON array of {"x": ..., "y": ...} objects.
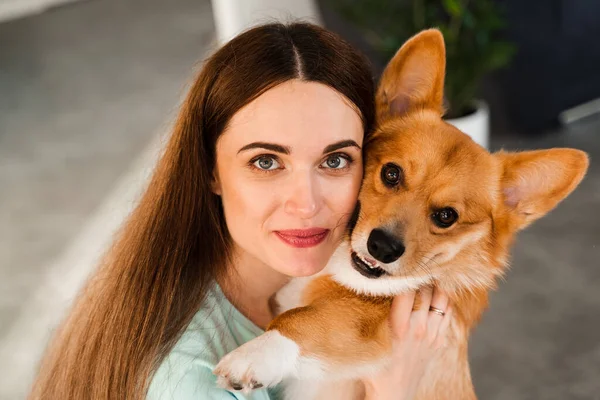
[
  {"x": 266, "y": 163},
  {"x": 335, "y": 162}
]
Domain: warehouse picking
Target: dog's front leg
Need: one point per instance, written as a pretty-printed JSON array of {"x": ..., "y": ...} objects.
[
  {"x": 277, "y": 354},
  {"x": 338, "y": 337},
  {"x": 262, "y": 362}
]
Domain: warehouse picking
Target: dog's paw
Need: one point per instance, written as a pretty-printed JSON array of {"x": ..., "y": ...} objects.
[{"x": 262, "y": 362}]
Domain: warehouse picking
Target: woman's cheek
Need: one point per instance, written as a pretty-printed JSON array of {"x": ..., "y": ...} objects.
[
  {"x": 257, "y": 198},
  {"x": 349, "y": 195},
  {"x": 243, "y": 200},
  {"x": 342, "y": 196}
]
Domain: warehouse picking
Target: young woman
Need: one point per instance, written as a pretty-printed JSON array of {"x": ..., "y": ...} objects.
[{"x": 255, "y": 187}]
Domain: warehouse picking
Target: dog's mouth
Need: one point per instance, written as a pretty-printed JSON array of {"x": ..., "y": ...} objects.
[{"x": 365, "y": 268}]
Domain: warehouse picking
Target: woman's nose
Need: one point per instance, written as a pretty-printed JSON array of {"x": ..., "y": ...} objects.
[{"x": 303, "y": 197}]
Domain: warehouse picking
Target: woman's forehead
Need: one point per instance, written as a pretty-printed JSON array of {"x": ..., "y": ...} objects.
[{"x": 296, "y": 113}]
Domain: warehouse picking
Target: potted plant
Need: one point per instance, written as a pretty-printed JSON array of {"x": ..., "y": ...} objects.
[{"x": 471, "y": 31}]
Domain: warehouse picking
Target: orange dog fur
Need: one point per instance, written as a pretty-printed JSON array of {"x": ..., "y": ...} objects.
[{"x": 339, "y": 330}]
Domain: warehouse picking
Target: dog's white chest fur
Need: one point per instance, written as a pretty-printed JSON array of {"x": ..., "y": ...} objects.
[{"x": 290, "y": 296}]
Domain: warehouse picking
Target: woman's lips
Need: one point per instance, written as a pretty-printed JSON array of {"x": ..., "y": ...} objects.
[{"x": 303, "y": 237}]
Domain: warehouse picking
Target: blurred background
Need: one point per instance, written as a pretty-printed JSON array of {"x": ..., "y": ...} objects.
[{"x": 89, "y": 90}]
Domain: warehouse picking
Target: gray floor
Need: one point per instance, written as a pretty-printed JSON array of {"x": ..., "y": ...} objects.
[
  {"x": 541, "y": 337},
  {"x": 84, "y": 88}
]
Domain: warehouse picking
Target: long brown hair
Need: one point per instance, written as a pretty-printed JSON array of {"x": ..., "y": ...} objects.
[{"x": 175, "y": 243}]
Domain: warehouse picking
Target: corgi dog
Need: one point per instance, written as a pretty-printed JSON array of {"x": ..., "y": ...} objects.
[{"x": 435, "y": 209}]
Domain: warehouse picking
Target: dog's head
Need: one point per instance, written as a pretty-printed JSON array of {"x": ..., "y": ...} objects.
[{"x": 435, "y": 207}]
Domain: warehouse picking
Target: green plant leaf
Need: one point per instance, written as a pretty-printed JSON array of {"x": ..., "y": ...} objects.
[
  {"x": 500, "y": 54},
  {"x": 471, "y": 30},
  {"x": 453, "y": 7},
  {"x": 468, "y": 19}
]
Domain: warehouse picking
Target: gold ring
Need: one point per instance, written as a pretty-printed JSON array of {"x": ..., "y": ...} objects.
[{"x": 437, "y": 311}]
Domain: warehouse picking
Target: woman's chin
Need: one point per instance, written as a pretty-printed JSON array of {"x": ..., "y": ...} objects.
[
  {"x": 300, "y": 269},
  {"x": 305, "y": 272},
  {"x": 300, "y": 263}
]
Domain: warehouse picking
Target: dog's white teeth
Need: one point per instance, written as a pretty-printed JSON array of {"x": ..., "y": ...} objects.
[{"x": 368, "y": 264}]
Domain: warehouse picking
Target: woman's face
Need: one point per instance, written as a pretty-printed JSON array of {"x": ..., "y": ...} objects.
[{"x": 289, "y": 168}]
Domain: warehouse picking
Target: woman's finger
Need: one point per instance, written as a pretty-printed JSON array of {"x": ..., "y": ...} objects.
[
  {"x": 419, "y": 317},
  {"x": 400, "y": 314},
  {"x": 444, "y": 329},
  {"x": 439, "y": 301}
]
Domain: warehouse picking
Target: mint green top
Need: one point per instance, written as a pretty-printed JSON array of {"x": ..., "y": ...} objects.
[{"x": 186, "y": 373}]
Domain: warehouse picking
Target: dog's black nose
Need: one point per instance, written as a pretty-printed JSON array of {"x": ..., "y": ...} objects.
[{"x": 384, "y": 246}]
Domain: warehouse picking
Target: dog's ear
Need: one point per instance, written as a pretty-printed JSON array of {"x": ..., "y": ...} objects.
[
  {"x": 534, "y": 182},
  {"x": 414, "y": 78}
]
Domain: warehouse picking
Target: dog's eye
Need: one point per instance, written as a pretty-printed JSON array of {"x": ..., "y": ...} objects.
[
  {"x": 391, "y": 174},
  {"x": 445, "y": 217}
]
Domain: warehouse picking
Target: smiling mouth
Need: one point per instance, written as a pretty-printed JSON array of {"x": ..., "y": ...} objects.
[{"x": 365, "y": 268}]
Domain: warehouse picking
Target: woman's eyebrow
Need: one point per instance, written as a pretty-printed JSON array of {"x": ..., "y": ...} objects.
[
  {"x": 340, "y": 145},
  {"x": 286, "y": 150},
  {"x": 268, "y": 146}
]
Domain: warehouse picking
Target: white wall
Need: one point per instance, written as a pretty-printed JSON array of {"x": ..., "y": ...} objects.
[
  {"x": 11, "y": 9},
  {"x": 234, "y": 16}
]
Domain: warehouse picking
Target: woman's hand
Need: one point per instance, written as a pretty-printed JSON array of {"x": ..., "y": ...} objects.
[{"x": 417, "y": 335}]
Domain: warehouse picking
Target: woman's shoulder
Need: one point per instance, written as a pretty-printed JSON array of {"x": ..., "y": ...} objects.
[{"x": 215, "y": 330}]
